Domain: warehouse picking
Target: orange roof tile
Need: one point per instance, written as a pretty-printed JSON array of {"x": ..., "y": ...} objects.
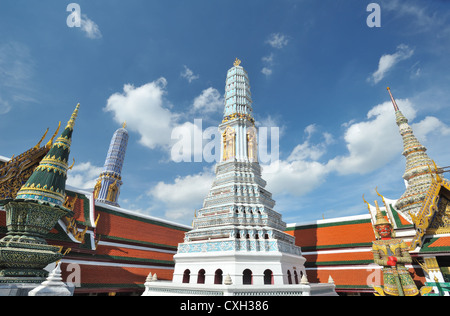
[
  {"x": 343, "y": 277},
  {"x": 403, "y": 221},
  {"x": 94, "y": 274},
  {"x": 440, "y": 242},
  {"x": 79, "y": 210},
  {"x": 334, "y": 235},
  {"x": 132, "y": 253},
  {"x": 355, "y": 278},
  {"x": 124, "y": 227},
  {"x": 339, "y": 257}
]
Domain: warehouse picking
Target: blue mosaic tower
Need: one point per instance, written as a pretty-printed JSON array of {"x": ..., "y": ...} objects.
[{"x": 107, "y": 189}]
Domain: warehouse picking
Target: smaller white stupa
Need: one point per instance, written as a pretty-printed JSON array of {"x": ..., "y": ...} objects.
[{"x": 53, "y": 286}]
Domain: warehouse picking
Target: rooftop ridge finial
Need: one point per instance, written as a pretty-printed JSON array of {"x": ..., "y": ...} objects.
[
  {"x": 237, "y": 62},
  {"x": 40, "y": 141},
  {"x": 71, "y": 122},
  {"x": 393, "y": 100},
  {"x": 50, "y": 142}
]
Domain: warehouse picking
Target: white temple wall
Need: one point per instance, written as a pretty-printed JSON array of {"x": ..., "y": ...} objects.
[{"x": 234, "y": 264}]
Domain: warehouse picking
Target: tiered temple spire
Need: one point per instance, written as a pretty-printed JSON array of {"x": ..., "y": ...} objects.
[
  {"x": 39, "y": 204},
  {"x": 48, "y": 181},
  {"x": 238, "y": 125},
  {"x": 108, "y": 185},
  {"x": 420, "y": 169},
  {"x": 237, "y": 229}
]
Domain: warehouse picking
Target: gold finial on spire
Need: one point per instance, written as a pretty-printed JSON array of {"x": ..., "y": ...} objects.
[
  {"x": 237, "y": 62},
  {"x": 71, "y": 122},
  {"x": 380, "y": 219},
  {"x": 392, "y": 99},
  {"x": 124, "y": 124}
]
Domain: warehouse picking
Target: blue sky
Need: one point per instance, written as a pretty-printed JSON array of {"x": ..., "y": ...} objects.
[{"x": 317, "y": 71}]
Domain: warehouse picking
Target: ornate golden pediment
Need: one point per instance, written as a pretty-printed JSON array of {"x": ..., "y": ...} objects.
[
  {"x": 434, "y": 216},
  {"x": 441, "y": 220},
  {"x": 16, "y": 171}
]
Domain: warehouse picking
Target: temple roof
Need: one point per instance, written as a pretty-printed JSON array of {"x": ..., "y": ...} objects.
[
  {"x": 16, "y": 171},
  {"x": 48, "y": 181}
]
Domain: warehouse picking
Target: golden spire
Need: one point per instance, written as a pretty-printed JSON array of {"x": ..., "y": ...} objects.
[
  {"x": 71, "y": 122},
  {"x": 380, "y": 219},
  {"x": 393, "y": 100},
  {"x": 124, "y": 124},
  {"x": 237, "y": 62}
]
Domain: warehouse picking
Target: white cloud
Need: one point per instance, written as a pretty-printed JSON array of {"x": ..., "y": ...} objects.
[
  {"x": 184, "y": 195},
  {"x": 430, "y": 125},
  {"x": 268, "y": 121},
  {"x": 296, "y": 178},
  {"x": 372, "y": 143},
  {"x": 422, "y": 19},
  {"x": 189, "y": 74},
  {"x": 89, "y": 27},
  {"x": 310, "y": 129},
  {"x": 16, "y": 70},
  {"x": 210, "y": 100},
  {"x": 300, "y": 173},
  {"x": 268, "y": 64},
  {"x": 388, "y": 61},
  {"x": 15, "y": 64},
  {"x": 145, "y": 111},
  {"x": 4, "y": 107},
  {"x": 329, "y": 139},
  {"x": 277, "y": 40},
  {"x": 308, "y": 151},
  {"x": 266, "y": 71},
  {"x": 268, "y": 59},
  {"x": 83, "y": 175}
]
